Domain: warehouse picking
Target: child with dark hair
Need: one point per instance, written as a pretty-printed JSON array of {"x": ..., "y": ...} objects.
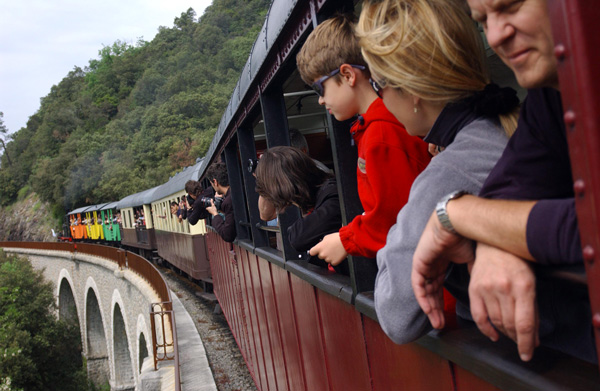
[{"x": 287, "y": 176}]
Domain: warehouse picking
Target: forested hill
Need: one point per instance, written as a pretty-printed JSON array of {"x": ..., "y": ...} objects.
[{"x": 136, "y": 114}]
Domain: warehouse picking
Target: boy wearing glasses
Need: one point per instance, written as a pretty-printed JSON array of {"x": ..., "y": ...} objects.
[{"x": 388, "y": 158}]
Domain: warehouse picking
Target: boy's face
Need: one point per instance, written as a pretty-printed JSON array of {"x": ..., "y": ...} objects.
[
  {"x": 519, "y": 32},
  {"x": 339, "y": 98}
]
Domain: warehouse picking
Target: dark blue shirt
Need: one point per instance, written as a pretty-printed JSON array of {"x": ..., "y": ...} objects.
[{"x": 536, "y": 166}]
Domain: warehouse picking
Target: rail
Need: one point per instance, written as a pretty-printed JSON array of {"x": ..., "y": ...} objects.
[{"x": 139, "y": 265}]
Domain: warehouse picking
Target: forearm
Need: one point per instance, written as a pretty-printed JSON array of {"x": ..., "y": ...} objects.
[{"x": 499, "y": 223}]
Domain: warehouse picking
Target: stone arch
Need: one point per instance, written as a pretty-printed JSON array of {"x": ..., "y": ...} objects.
[
  {"x": 67, "y": 304},
  {"x": 96, "y": 344},
  {"x": 144, "y": 347},
  {"x": 124, "y": 378},
  {"x": 142, "y": 351}
]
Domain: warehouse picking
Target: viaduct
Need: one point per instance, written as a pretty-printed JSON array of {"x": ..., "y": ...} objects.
[{"x": 111, "y": 303}]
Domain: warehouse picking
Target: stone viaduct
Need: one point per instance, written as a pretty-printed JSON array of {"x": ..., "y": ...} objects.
[{"x": 112, "y": 306}]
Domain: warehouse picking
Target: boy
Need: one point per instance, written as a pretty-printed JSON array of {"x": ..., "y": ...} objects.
[{"x": 388, "y": 158}]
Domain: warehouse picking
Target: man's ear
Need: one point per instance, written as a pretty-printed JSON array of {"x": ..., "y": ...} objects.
[{"x": 348, "y": 73}]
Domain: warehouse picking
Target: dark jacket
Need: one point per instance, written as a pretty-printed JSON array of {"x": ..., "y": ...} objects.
[
  {"x": 325, "y": 218},
  {"x": 198, "y": 210},
  {"x": 224, "y": 222}
]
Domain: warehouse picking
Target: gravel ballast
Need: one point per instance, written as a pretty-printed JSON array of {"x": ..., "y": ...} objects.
[{"x": 226, "y": 361}]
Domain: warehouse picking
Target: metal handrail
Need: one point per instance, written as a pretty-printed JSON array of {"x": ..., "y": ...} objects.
[{"x": 137, "y": 264}]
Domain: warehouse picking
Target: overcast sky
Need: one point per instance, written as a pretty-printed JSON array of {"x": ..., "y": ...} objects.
[{"x": 42, "y": 40}]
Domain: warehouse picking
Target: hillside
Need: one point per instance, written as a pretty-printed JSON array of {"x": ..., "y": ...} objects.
[
  {"x": 28, "y": 219},
  {"x": 135, "y": 115}
]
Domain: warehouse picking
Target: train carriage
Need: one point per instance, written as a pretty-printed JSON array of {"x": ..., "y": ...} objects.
[
  {"x": 179, "y": 243},
  {"x": 76, "y": 227},
  {"x": 110, "y": 226},
  {"x": 94, "y": 224},
  {"x": 300, "y": 327},
  {"x": 137, "y": 227}
]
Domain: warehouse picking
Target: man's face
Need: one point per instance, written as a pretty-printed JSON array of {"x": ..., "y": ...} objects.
[{"x": 519, "y": 32}]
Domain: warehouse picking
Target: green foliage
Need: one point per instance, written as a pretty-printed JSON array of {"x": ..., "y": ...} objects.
[
  {"x": 23, "y": 192},
  {"x": 135, "y": 114},
  {"x": 37, "y": 352}
]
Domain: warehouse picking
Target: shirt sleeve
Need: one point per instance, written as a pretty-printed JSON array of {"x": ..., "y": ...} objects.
[
  {"x": 199, "y": 211},
  {"x": 553, "y": 233},
  {"x": 225, "y": 226},
  {"x": 390, "y": 176},
  {"x": 307, "y": 231}
]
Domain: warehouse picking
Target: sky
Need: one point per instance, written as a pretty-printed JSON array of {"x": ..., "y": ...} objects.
[{"x": 41, "y": 41}]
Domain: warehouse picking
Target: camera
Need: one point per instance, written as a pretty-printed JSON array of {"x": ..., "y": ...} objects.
[
  {"x": 252, "y": 163},
  {"x": 189, "y": 199},
  {"x": 217, "y": 200}
]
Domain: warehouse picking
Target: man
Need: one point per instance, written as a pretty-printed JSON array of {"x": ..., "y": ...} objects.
[
  {"x": 525, "y": 213},
  {"x": 223, "y": 220},
  {"x": 197, "y": 210}
]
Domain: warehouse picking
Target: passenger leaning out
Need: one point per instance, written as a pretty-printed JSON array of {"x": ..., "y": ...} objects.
[
  {"x": 287, "y": 176},
  {"x": 389, "y": 159},
  {"x": 523, "y": 221},
  {"x": 428, "y": 61}
]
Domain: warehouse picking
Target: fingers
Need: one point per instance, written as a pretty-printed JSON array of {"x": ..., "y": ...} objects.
[
  {"x": 526, "y": 325},
  {"x": 480, "y": 316},
  {"x": 315, "y": 250},
  {"x": 430, "y": 297}
]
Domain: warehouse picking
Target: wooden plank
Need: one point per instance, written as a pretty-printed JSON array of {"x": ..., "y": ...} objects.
[
  {"x": 289, "y": 329},
  {"x": 404, "y": 367},
  {"x": 272, "y": 316},
  {"x": 309, "y": 326},
  {"x": 345, "y": 349}
]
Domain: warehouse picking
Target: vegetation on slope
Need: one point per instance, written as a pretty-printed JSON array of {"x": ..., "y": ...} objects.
[
  {"x": 37, "y": 351},
  {"x": 136, "y": 114}
]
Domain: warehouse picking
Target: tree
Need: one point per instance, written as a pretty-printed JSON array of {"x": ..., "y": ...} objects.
[
  {"x": 4, "y": 132},
  {"x": 38, "y": 352}
]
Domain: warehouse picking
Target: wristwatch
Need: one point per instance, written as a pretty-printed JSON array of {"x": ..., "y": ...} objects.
[{"x": 442, "y": 212}]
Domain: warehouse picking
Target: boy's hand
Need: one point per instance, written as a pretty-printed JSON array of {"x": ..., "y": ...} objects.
[{"x": 330, "y": 249}]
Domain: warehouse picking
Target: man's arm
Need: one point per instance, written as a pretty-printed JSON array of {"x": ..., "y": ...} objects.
[
  {"x": 225, "y": 226},
  {"x": 498, "y": 223}
]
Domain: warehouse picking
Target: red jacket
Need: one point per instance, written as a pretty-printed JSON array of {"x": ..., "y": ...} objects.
[{"x": 389, "y": 160}]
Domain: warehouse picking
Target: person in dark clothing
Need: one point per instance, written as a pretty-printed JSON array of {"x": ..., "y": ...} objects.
[
  {"x": 287, "y": 176},
  {"x": 196, "y": 211},
  {"x": 524, "y": 215},
  {"x": 223, "y": 219}
]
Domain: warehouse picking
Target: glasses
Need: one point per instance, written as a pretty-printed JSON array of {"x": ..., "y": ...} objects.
[
  {"x": 318, "y": 85},
  {"x": 376, "y": 87}
]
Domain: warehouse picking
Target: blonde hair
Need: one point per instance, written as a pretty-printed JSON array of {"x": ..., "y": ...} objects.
[
  {"x": 428, "y": 48},
  {"x": 331, "y": 44}
]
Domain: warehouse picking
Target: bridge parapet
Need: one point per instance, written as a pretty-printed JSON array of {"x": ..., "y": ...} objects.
[{"x": 112, "y": 291}]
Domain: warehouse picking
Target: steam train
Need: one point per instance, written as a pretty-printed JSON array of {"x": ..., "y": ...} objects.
[{"x": 302, "y": 327}]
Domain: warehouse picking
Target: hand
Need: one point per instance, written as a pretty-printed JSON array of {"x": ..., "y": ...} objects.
[
  {"x": 502, "y": 295},
  {"x": 212, "y": 209},
  {"x": 435, "y": 250},
  {"x": 330, "y": 249}
]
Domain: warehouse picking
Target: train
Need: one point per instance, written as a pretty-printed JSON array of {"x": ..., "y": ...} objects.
[{"x": 302, "y": 327}]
